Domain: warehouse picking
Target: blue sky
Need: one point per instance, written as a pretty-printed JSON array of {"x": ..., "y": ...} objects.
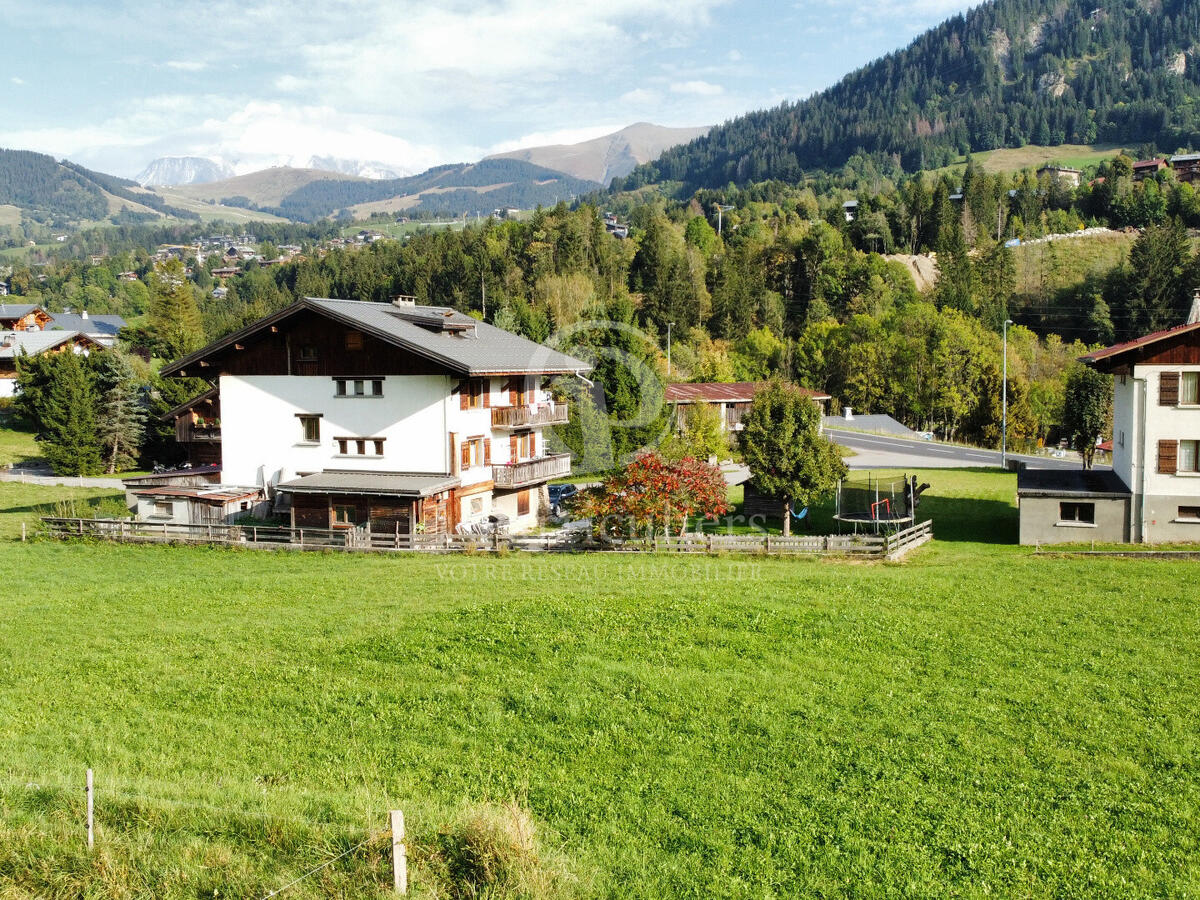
[{"x": 411, "y": 84}]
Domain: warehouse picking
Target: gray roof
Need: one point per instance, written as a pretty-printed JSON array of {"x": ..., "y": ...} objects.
[
  {"x": 404, "y": 484},
  {"x": 33, "y": 342},
  {"x": 103, "y": 324},
  {"x": 16, "y": 310},
  {"x": 457, "y": 341},
  {"x": 1094, "y": 483}
]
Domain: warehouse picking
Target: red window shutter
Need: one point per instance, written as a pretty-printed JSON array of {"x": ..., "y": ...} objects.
[
  {"x": 1168, "y": 389},
  {"x": 466, "y": 454},
  {"x": 512, "y": 396},
  {"x": 464, "y": 399},
  {"x": 513, "y": 450},
  {"x": 487, "y": 392},
  {"x": 487, "y": 451},
  {"x": 1168, "y": 455},
  {"x": 533, "y": 443}
]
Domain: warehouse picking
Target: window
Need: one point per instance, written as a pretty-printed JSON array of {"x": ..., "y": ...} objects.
[
  {"x": 310, "y": 428},
  {"x": 1190, "y": 513},
  {"x": 354, "y": 340},
  {"x": 344, "y": 515},
  {"x": 473, "y": 393},
  {"x": 476, "y": 505},
  {"x": 476, "y": 451},
  {"x": 1189, "y": 452},
  {"x": 308, "y": 353},
  {"x": 1189, "y": 388},
  {"x": 164, "y": 508},
  {"x": 355, "y": 446},
  {"x": 1083, "y": 513},
  {"x": 358, "y": 387},
  {"x": 522, "y": 446}
]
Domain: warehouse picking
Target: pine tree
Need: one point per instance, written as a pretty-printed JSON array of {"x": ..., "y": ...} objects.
[
  {"x": 122, "y": 416},
  {"x": 174, "y": 316},
  {"x": 69, "y": 419}
]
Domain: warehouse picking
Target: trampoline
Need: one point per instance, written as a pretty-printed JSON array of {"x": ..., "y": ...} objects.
[{"x": 869, "y": 503}]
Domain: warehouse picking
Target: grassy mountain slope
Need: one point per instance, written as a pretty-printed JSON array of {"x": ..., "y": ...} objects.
[
  {"x": 268, "y": 187},
  {"x": 604, "y": 158},
  {"x": 1006, "y": 74}
]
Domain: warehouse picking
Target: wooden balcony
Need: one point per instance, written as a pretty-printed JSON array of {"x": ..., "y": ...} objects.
[
  {"x": 187, "y": 432},
  {"x": 533, "y": 471},
  {"x": 524, "y": 417}
]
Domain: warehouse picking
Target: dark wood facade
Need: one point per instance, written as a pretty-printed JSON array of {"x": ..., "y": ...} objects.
[
  {"x": 385, "y": 515},
  {"x": 306, "y": 343}
]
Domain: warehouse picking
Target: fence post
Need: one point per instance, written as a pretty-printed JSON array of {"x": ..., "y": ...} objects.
[
  {"x": 767, "y": 538},
  {"x": 301, "y": 537},
  {"x": 22, "y": 532},
  {"x": 90, "y": 803},
  {"x": 399, "y": 854}
]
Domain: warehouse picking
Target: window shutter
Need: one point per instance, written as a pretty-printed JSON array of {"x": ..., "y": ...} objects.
[
  {"x": 1168, "y": 389},
  {"x": 487, "y": 451},
  {"x": 533, "y": 443},
  {"x": 487, "y": 393},
  {"x": 512, "y": 393},
  {"x": 513, "y": 451},
  {"x": 464, "y": 398},
  {"x": 1168, "y": 454},
  {"x": 466, "y": 454}
]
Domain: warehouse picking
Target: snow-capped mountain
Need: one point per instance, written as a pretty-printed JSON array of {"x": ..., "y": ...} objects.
[
  {"x": 359, "y": 167},
  {"x": 173, "y": 170}
]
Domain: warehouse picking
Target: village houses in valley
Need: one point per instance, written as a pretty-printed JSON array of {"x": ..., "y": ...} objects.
[
  {"x": 389, "y": 416},
  {"x": 1152, "y": 494}
]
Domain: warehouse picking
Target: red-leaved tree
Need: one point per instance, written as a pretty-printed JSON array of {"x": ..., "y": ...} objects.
[{"x": 652, "y": 496}]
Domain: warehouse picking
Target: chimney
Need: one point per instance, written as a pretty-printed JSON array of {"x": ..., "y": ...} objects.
[
  {"x": 404, "y": 300},
  {"x": 83, "y": 315},
  {"x": 1194, "y": 315}
]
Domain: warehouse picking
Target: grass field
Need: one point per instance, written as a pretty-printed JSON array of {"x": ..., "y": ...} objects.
[
  {"x": 1033, "y": 156},
  {"x": 399, "y": 230},
  {"x": 977, "y": 721},
  {"x": 17, "y": 446}
]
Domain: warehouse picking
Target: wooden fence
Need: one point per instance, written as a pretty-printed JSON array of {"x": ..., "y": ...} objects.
[{"x": 867, "y": 546}]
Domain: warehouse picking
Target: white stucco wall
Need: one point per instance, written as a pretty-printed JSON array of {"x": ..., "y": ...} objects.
[
  {"x": 262, "y": 441},
  {"x": 1157, "y": 497},
  {"x": 8, "y": 387}
]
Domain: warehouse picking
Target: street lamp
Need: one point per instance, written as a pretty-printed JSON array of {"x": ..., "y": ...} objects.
[
  {"x": 1004, "y": 402},
  {"x": 669, "y": 325}
]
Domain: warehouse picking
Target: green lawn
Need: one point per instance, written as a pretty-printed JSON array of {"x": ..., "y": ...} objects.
[
  {"x": 17, "y": 446},
  {"x": 976, "y": 721}
]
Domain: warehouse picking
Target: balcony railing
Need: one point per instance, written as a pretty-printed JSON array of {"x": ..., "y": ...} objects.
[
  {"x": 187, "y": 432},
  {"x": 524, "y": 416},
  {"x": 533, "y": 471}
]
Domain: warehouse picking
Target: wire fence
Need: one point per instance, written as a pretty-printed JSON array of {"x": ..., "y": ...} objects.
[{"x": 14, "y": 784}]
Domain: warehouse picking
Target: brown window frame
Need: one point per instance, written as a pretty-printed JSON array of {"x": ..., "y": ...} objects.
[
  {"x": 307, "y": 419},
  {"x": 359, "y": 446}
]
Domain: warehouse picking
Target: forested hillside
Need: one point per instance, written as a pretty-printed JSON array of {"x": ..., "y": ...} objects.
[
  {"x": 451, "y": 189},
  {"x": 1008, "y": 73}
]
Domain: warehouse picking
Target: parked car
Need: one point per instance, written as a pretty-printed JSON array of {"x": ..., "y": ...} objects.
[{"x": 559, "y": 494}]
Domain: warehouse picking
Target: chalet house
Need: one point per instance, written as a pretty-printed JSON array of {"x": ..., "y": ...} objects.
[
  {"x": 1069, "y": 176},
  {"x": 1147, "y": 168},
  {"x": 388, "y": 416},
  {"x": 1187, "y": 167},
  {"x": 732, "y": 400},
  {"x": 1152, "y": 494},
  {"x": 14, "y": 343},
  {"x": 102, "y": 329},
  {"x": 23, "y": 317}
]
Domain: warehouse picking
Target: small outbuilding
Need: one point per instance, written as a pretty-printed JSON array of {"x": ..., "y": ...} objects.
[{"x": 1070, "y": 506}]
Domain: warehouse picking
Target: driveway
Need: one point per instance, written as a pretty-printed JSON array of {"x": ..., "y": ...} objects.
[{"x": 877, "y": 451}]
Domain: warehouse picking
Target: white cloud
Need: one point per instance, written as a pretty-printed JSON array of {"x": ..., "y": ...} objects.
[
  {"x": 562, "y": 136},
  {"x": 697, "y": 87},
  {"x": 289, "y": 83},
  {"x": 639, "y": 97},
  {"x": 187, "y": 65},
  {"x": 16, "y": 80}
]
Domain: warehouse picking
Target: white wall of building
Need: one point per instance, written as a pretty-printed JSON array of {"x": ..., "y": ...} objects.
[
  {"x": 262, "y": 438},
  {"x": 1139, "y": 414},
  {"x": 8, "y": 387}
]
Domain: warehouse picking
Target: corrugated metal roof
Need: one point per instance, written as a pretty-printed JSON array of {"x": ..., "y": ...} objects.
[
  {"x": 206, "y": 495},
  {"x": 716, "y": 392},
  {"x": 403, "y": 484},
  {"x": 466, "y": 346},
  {"x": 1108, "y": 353}
]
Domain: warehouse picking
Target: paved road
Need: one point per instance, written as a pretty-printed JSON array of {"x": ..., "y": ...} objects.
[
  {"x": 877, "y": 451},
  {"x": 24, "y": 476}
]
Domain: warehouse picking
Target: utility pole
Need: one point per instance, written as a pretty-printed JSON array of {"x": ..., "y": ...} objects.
[
  {"x": 1004, "y": 402},
  {"x": 483, "y": 293}
]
